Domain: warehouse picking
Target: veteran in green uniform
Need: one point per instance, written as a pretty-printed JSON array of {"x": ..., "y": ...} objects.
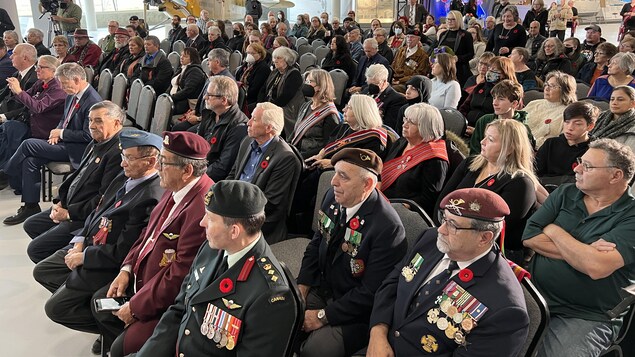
[{"x": 235, "y": 300}]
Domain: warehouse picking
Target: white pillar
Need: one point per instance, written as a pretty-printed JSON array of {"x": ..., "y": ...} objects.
[
  {"x": 42, "y": 24},
  {"x": 88, "y": 13}
]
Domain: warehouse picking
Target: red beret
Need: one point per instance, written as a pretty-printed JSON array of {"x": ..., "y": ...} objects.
[
  {"x": 476, "y": 203},
  {"x": 186, "y": 144}
]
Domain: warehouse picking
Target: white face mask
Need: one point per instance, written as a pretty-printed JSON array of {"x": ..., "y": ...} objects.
[
  {"x": 397, "y": 31},
  {"x": 250, "y": 58}
]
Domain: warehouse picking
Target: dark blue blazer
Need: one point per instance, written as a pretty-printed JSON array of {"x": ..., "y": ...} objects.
[
  {"x": 364, "y": 63},
  {"x": 501, "y": 331},
  {"x": 327, "y": 266},
  {"x": 76, "y": 135}
]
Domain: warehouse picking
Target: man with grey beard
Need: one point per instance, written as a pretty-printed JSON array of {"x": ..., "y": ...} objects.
[{"x": 114, "y": 58}]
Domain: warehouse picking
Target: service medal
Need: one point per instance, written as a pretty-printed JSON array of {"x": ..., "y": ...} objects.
[
  {"x": 217, "y": 335},
  {"x": 433, "y": 316},
  {"x": 204, "y": 329},
  {"x": 457, "y": 318},
  {"x": 445, "y": 305},
  {"x": 467, "y": 324},
  {"x": 451, "y": 311},
  {"x": 223, "y": 339},
  {"x": 450, "y": 331},
  {"x": 459, "y": 338},
  {"x": 210, "y": 333},
  {"x": 442, "y": 323},
  {"x": 230, "y": 343},
  {"x": 429, "y": 343},
  {"x": 407, "y": 273}
]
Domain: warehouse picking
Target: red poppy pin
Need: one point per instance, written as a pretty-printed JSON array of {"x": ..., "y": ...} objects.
[
  {"x": 548, "y": 121},
  {"x": 264, "y": 164},
  {"x": 354, "y": 223},
  {"x": 45, "y": 86},
  {"x": 481, "y": 91},
  {"x": 117, "y": 204},
  {"x": 77, "y": 106},
  {"x": 490, "y": 182},
  {"x": 465, "y": 275},
  {"x": 212, "y": 140},
  {"x": 516, "y": 31},
  {"x": 337, "y": 62},
  {"x": 226, "y": 285}
]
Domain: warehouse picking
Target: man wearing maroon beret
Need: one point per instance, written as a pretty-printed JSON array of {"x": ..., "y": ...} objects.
[
  {"x": 454, "y": 294},
  {"x": 156, "y": 265}
]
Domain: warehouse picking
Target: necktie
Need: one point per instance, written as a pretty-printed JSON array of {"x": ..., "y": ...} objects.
[
  {"x": 433, "y": 286},
  {"x": 120, "y": 193},
  {"x": 71, "y": 111},
  {"x": 222, "y": 268}
]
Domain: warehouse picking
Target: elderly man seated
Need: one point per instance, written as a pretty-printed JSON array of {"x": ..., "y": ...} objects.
[{"x": 583, "y": 237}]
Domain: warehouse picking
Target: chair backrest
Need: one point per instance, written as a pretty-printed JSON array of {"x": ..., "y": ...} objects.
[
  {"x": 292, "y": 40},
  {"x": 205, "y": 66},
  {"x": 119, "y": 87},
  {"x": 146, "y": 106},
  {"x": 413, "y": 218},
  {"x": 290, "y": 252},
  {"x": 175, "y": 60},
  {"x": 307, "y": 60},
  {"x": 165, "y": 45},
  {"x": 317, "y": 43},
  {"x": 323, "y": 186},
  {"x": 133, "y": 98},
  {"x": 532, "y": 95},
  {"x": 178, "y": 46},
  {"x": 604, "y": 106},
  {"x": 538, "y": 317},
  {"x": 299, "y": 311},
  {"x": 340, "y": 79},
  {"x": 234, "y": 61},
  {"x": 301, "y": 41},
  {"x": 100, "y": 42},
  {"x": 162, "y": 114},
  {"x": 320, "y": 53},
  {"x": 454, "y": 121},
  {"x": 582, "y": 90},
  {"x": 304, "y": 48},
  {"x": 105, "y": 84},
  {"x": 90, "y": 73}
]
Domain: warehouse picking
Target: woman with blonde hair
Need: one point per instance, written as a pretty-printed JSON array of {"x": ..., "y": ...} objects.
[
  {"x": 504, "y": 166},
  {"x": 460, "y": 42},
  {"x": 60, "y": 43},
  {"x": 317, "y": 118},
  {"x": 416, "y": 165},
  {"x": 362, "y": 129}
]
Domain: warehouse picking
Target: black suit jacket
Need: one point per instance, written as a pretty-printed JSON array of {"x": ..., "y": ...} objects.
[
  {"x": 102, "y": 162},
  {"x": 9, "y": 105},
  {"x": 76, "y": 135},
  {"x": 327, "y": 266},
  {"x": 5, "y": 21},
  {"x": 420, "y": 14},
  {"x": 277, "y": 176},
  {"x": 156, "y": 74},
  {"x": 263, "y": 305},
  {"x": 501, "y": 331},
  {"x": 125, "y": 218},
  {"x": 199, "y": 43},
  {"x": 176, "y": 34},
  {"x": 113, "y": 60}
]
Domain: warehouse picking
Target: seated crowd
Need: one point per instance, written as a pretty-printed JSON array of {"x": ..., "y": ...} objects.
[{"x": 177, "y": 225}]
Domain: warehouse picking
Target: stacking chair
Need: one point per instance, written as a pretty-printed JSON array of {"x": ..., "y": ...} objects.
[
  {"x": 119, "y": 88},
  {"x": 162, "y": 114},
  {"x": 105, "y": 84},
  {"x": 146, "y": 106}
]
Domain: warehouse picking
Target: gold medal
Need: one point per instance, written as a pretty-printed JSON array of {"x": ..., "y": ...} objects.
[
  {"x": 450, "y": 331},
  {"x": 429, "y": 343},
  {"x": 451, "y": 311},
  {"x": 467, "y": 324},
  {"x": 407, "y": 273},
  {"x": 433, "y": 316},
  {"x": 445, "y": 305},
  {"x": 230, "y": 343}
]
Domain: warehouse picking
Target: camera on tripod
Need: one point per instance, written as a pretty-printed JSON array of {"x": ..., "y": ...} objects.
[{"x": 50, "y": 6}]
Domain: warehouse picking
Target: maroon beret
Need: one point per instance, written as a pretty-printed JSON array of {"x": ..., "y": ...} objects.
[
  {"x": 363, "y": 158},
  {"x": 476, "y": 203},
  {"x": 122, "y": 31},
  {"x": 186, "y": 144}
]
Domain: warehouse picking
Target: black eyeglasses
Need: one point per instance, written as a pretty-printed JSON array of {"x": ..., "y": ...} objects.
[
  {"x": 586, "y": 167},
  {"x": 453, "y": 228}
]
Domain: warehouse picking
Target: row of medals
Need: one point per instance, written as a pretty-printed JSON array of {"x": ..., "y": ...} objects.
[
  {"x": 464, "y": 322},
  {"x": 217, "y": 333}
]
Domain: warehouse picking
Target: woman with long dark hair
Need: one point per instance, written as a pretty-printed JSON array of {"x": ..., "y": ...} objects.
[{"x": 340, "y": 57}]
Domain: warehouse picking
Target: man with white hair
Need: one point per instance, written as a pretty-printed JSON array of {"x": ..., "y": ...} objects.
[
  {"x": 355, "y": 45},
  {"x": 267, "y": 161},
  {"x": 411, "y": 60},
  {"x": 372, "y": 56},
  {"x": 388, "y": 99},
  {"x": 194, "y": 39},
  {"x": 35, "y": 37},
  {"x": 215, "y": 41},
  {"x": 202, "y": 21},
  {"x": 359, "y": 241},
  {"x": 112, "y": 60},
  {"x": 23, "y": 59},
  {"x": 490, "y": 23}
]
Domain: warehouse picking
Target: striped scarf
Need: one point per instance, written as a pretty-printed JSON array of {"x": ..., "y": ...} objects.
[
  {"x": 411, "y": 158},
  {"x": 355, "y": 137},
  {"x": 312, "y": 119}
]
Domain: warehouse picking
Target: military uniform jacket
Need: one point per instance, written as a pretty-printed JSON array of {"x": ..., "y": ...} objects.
[
  {"x": 258, "y": 296},
  {"x": 160, "y": 274},
  {"x": 351, "y": 278},
  {"x": 100, "y": 165},
  {"x": 406, "y": 67},
  {"x": 277, "y": 175},
  {"x": 500, "y": 330},
  {"x": 111, "y": 230}
]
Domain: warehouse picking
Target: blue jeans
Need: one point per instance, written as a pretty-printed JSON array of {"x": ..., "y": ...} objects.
[{"x": 571, "y": 337}]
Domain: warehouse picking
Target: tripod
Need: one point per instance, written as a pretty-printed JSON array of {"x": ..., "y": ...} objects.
[{"x": 53, "y": 29}]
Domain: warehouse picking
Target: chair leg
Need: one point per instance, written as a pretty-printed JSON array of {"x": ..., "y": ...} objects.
[
  {"x": 50, "y": 185},
  {"x": 43, "y": 183}
]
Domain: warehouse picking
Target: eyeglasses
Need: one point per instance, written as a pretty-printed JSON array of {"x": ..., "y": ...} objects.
[
  {"x": 453, "y": 228},
  {"x": 208, "y": 95},
  {"x": 163, "y": 163},
  {"x": 39, "y": 68},
  {"x": 586, "y": 167},
  {"x": 130, "y": 159},
  {"x": 551, "y": 86}
]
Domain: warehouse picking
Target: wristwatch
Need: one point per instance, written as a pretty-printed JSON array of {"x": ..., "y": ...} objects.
[{"x": 321, "y": 315}]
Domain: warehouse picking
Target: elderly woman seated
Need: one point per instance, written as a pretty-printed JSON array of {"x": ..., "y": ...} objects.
[
  {"x": 283, "y": 87},
  {"x": 388, "y": 100},
  {"x": 544, "y": 116},
  {"x": 620, "y": 70},
  {"x": 416, "y": 166}
]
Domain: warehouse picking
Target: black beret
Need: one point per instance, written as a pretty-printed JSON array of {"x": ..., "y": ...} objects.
[
  {"x": 132, "y": 138},
  {"x": 476, "y": 203},
  {"x": 363, "y": 158},
  {"x": 235, "y": 199},
  {"x": 186, "y": 144}
]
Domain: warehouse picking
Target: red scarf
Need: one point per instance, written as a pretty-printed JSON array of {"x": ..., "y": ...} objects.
[
  {"x": 411, "y": 158},
  {"x": 356, "y": 137}
]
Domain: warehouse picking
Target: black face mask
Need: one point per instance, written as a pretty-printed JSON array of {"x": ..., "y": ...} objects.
[
  {"x": 307, "y": 90},
  {"x": 373, "y": 89},
  {"x": 568, "y": 50},
  {"x": 63, "y": 5},
  {"x": 236, "y": 33},
  {"x": 415, "y": 100}
]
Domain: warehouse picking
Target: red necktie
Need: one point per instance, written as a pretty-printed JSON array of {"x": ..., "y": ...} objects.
[
  {"x": 148, "y": 247},
  {"x": 71, "y": 111}
]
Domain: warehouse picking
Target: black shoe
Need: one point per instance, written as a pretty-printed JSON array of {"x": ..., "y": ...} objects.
[
  {"x": 23, "y": 213},
  {"x": 96, "y": 349}
]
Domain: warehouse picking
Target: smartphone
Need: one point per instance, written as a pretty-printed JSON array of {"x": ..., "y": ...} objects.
[{"x": 110, "y": 304}]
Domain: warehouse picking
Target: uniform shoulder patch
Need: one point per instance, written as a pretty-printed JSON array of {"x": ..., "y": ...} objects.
[{"x": 273, "y": 276}]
